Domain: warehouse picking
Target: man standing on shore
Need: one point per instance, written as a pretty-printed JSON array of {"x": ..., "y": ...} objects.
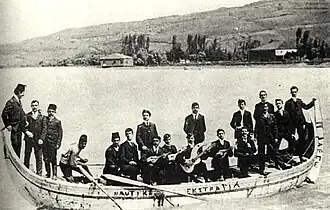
[
  {"x": 13, "y": 117},
  {"x": 294, "y": 107},
  {"x": 195, "y": 124},
  {"x": 35, "y": 135}
]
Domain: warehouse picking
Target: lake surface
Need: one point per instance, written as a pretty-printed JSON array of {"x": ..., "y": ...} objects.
[{"x": 98, "y": 102}]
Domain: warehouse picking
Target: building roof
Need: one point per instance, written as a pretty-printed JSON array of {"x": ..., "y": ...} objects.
[
  {"x": 115, "y": 56},
  {"x": 275, "y": 45}
]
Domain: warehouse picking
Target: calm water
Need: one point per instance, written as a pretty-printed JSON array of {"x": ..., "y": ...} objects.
[{"x": 100, "y": 101}]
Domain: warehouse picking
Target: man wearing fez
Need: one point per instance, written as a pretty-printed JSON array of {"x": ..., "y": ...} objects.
[
  {"x": 53, "y": 140},
  {"x": 13, "y": 117},
  {"x": 195, "y": 124},
  {"x": 35, "y": 134},
  {"x": 145, "y": 132},
  {"x": 112, "y": 156},
  {"x": 241, "y": 118}
]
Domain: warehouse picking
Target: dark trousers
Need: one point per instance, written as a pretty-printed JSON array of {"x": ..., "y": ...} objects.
[
  {"x": 37, "y": 153},
  {"x": 221, "y": 167},
  {"x": 16, "y": 139},
  {"x": 171, "y": 173},
  {"x": 199, "y": 138},
  {"x": 130, "y": 170},
  {"x": 50, "y": 159},
  {"x": 244, "y": 162},
  {"x": 301, "y": 143},
  {"x": 271, "y": 152},
  {"x": 153, "y": 173}
]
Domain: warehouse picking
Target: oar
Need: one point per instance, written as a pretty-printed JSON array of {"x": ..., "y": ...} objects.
[
  {"x": 97, "y": 184},
  {"x": 141, "y": 184}
]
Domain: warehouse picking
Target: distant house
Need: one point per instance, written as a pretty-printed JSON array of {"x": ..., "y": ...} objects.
[
  {"x": 116, "y": 60},
  {"x": 272, "y": 51}
]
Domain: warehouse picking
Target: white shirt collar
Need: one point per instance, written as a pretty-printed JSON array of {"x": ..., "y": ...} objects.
[
  {"x": 294, "y": 99},
  {"x": 222, "y": 141},
  {"x": 16, "y": 98}
]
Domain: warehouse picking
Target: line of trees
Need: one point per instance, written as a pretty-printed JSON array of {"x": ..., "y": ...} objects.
[{"x": 310, "y": 48}]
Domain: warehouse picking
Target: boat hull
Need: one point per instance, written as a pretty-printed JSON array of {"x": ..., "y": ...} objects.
[{"x": 45, "y": 192}]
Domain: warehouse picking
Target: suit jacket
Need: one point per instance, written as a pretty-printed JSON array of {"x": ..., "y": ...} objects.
[
  {"x": 284, "y": 124},
  {"x": 217, "y": 146},
  {"x": 244, "y": 151},
  {"x": 266, "y": 129},
  {"x": 36, "y": 126},
  {"x": 169, "y": 149},
  {"x": 196, "y": 127},
  {"x": 54, "y": 132},
  {"x": 13, "y": 114},
  {"x": 236, "y": 121},
  {"x": 127, "y": 153},
  {"x": 145, "y": 134},
  {"x": 295, "y": 110},
  {"x": 150, "y": 152},
  {"x": 111, "y": 156},
  {"x": 258, "y": 109}
]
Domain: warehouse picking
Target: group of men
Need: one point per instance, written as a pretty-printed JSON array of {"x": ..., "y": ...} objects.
[
  {"x": 42, "y": 133},
  {"x": 197, "y": 161},
  {"x": 259, "y": 143}
]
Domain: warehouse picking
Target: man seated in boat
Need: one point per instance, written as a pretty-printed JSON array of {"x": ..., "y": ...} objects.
[
  {"x": 244, "y": 151},
  {"x": 191, "y": 167},
  {"x": 71, "y": 160},
  {"x": 112, "y": 156},
  {"x": 171, "y": 166},
  {"x": 152, "y": 161},
  {"x": 128, "y": 156},
  {"x": 219, "y": 151}
]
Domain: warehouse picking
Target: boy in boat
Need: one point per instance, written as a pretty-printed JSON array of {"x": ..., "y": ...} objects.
[
  {"x": 128, "y": 156},
  {"x": 71, "y": 159},
  {"x": 145, "y": 132},
  {"x": 219, "y": 152},
  {"x": 284, "y": 126},
  {"x": 244, "y": 151},
  {"x": 13, "y": 117},
  {"x": 152, "y": 161},
  {"x": 241, "y": 118},
  {"x": 171, "y": 166},
  {"x": 195, "y": 124},
  {"x": 53, "y": 139},
  {"x": 112, "y": 156},
  {"x": 35, "y": 135},
  {"x": 199, "y": 173},
  {"x": 294, "y": 107}
]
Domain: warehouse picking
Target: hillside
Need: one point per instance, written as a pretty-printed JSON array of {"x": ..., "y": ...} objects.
[{"x": 263, "y": 20}]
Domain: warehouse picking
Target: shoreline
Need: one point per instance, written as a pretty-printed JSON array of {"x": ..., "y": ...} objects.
[{"x": 200, "y": 65}]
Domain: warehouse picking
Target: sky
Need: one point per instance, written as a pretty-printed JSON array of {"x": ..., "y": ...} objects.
[{"x": 24, "y": 19}]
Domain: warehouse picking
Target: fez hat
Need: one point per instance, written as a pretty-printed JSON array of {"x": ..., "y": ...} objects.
[
  {"x": 19, "y": 88},
  {"x": 52, "y": 106},
  {"x": 115, "y": 135}
]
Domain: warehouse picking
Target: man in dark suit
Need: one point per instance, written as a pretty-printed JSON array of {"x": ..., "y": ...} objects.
[
  {"x": 145, "y": 132},
  {"x": 241, "y": 118},
  {"x": 153, "y": 171},
  {"x": 112, "y": 156},
  {"x": 53, "y": 140},
  {"x": 220, "y": 151},
  {"x": 13, "y": 117},
  {"x": 267, "y": 132},
  {"x": 294, "y": 107},
  {"x": 244, "y": 151},
  {"x": 128, "y": 156},
  {"x": 258, "y": 109},
  {"x": 35, "y": 135},
  {"x": 195, "y": 124},
  {"x": 171, "y": 166},
  {"x": 284, "y": 126}
]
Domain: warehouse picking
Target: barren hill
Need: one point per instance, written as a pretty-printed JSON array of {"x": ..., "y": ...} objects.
[{"x": 263, "y": 20}]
